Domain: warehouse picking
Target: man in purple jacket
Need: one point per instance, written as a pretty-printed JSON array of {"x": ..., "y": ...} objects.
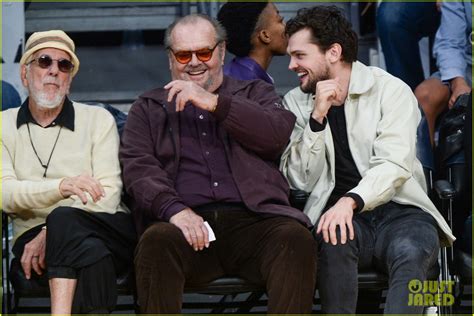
[{"x": 204, "y": 149}]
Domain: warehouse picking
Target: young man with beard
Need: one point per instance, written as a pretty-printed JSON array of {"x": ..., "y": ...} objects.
[
  {"x": 353, "y": 148},
  {"x": 256, "y": 33},
  {"x": 204, "y": 148},
  {"x": 61, "y": 184}
]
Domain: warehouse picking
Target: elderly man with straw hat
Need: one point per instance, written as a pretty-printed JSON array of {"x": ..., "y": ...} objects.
[{"x": 61, "y": 184}]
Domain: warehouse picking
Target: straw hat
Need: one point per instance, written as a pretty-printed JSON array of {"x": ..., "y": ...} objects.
[{"x": 50, "y": 39}]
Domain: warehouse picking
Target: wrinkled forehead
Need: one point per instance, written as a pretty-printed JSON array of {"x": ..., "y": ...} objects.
[{"x": 193, "y": 35}]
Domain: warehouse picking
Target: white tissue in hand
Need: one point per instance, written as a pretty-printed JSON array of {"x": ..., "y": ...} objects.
[{"x": 212, "y": 237}]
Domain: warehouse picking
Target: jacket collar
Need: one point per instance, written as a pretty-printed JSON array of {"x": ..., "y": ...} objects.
[
  {"x": 362, "y": 79},
  {"x": 253, "y": 67}
]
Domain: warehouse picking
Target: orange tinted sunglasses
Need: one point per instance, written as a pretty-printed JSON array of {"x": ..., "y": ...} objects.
[{"x": 185, "y": 56}]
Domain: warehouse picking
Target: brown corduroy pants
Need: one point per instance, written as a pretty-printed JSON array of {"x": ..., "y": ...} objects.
[{"x": 277, "y": 252}]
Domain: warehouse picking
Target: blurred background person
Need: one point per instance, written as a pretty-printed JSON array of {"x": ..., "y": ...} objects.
[
  {"x": 453, "y": 52},
  {"x": 401, "y": 26},
  {"x": 256, "y": 33}
]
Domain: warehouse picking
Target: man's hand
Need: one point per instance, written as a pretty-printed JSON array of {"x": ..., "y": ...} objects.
[
  {"x": 81, "y": 184},
  {"x": 328, "y": 93},
  {"x": 339, "y": 215},
  {"x": 189, "y": 91},
  {"x": 192, "y": 226},
  {"x": 34, "y": 255},
  {"x": 459, "y": 86}
]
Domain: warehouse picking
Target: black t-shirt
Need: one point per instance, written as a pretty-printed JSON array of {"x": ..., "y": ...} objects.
[{"x": 347, "y": 175}]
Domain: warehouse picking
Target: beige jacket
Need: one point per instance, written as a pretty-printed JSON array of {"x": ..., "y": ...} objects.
[
  {"x": 382, "y": 116},
  {"x": 91, "y": 148}
]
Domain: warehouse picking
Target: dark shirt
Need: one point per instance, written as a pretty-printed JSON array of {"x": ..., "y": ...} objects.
[
  {"x": 245, "y": 68},
  {"x": 65, "y": 117},
  {"x": 204, "y": 175},
  {"x": 347, "y": 175}
]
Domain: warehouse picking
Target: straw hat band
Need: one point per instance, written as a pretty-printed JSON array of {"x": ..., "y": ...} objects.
[{"x": 49, "y": 39}]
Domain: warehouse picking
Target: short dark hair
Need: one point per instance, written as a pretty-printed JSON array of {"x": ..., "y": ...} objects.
[
  {"x": 328, "y": 26},
  {"x": 240, "y": 21}
]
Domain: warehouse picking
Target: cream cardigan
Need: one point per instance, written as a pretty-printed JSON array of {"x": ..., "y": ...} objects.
[{"x": 91, "y": 148}]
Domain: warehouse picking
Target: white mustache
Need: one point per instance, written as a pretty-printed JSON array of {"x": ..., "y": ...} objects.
[{"x": 50, "y": 80}]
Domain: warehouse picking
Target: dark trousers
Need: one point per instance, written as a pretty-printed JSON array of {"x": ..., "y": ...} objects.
[
  {"x": 277, "y": 252},
  {"x": 90, "y": 247},
  {"x": 400, "y": 241}
]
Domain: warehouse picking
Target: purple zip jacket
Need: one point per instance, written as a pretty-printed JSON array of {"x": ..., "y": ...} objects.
[
  {"x": 245, "y": 68},
  {"x": 256, "y": 129}
]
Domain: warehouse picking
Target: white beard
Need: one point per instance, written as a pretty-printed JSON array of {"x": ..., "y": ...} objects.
[{"x": 42, "y": 100}]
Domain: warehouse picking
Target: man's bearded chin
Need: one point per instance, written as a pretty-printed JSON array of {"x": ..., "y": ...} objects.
[
  {"x": 43, "y": 101},
  {"x": 309, "y": 87}
]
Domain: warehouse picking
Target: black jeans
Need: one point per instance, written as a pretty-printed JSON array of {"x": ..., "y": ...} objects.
[{"x": 401, "y": 241}]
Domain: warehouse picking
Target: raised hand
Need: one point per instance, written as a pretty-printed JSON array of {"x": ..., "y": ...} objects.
[
  {"x": 328, "y": 93},
  {"x": 185, "y": 91}
]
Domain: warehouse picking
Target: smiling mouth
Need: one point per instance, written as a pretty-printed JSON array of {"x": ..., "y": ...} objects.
[
  {"x": 302, "y": 75},
  {"x": 196, "y": 72}
]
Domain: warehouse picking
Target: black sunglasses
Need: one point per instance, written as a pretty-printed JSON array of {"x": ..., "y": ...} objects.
[{"x": 45, "y": 61}]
